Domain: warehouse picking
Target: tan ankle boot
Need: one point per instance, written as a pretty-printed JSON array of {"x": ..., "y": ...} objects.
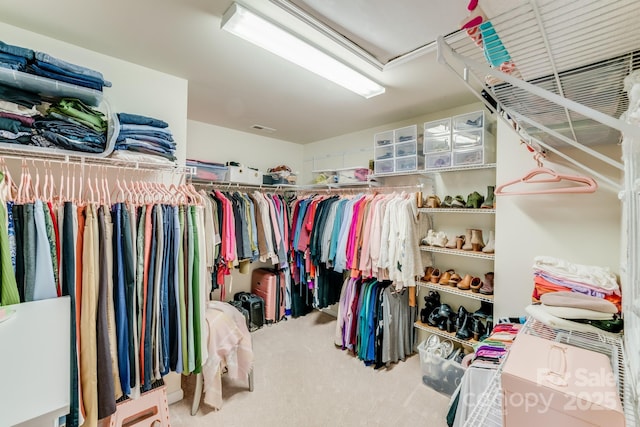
[
  {"x": 467, "y": 241},
  {"x": 476, "y": 240}
]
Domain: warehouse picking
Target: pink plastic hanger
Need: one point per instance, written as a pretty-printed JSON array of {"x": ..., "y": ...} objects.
[{"x": 542, "y": 175}]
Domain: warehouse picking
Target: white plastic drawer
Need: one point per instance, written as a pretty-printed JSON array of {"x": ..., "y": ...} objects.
[
  {"x": 469, "y": 121},
  {"x": 438, "y": 160},
  {"x": 383, "y": 138},
  {"x": 406, "y": 149},
  {"x": 437, "y": 127},
  {"x": 436, "y": 143},
  {"x": 468, "y": 139},
  {"x": 468, "y": 157},
  {"x": 385, "y": 152},
  {"x": 406, "y": 134},
  {"x": 407, "y": 164},
  {"x": 384, "y": 166}
]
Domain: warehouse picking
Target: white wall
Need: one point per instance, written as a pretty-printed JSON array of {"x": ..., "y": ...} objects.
[
  {"x": 580, "y": 228},
  {"x": 214, "y": 143},
  {"x": 135, "y": 89}
]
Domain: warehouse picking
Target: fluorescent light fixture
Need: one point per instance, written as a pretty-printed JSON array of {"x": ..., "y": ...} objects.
[{"x": 244, "y": 23}]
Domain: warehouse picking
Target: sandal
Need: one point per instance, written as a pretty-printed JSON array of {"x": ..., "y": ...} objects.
[
  {"x": 476, "y": 284},
  {"x": 427, "y": 274},
  {"x": 444, "y": 278},
  {"x": 435, "y": 275}
]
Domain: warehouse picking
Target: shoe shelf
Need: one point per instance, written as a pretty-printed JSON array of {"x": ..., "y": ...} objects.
[
  {"x": 457, "y": 210},
  {"x": 459, "y": 252},
  {"x": 448, "y": 335},
  {"x": 456, "y": 291}
]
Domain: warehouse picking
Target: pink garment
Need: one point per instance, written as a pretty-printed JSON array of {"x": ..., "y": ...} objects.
[
  {"x": 351, "y": 242},
  {"x": 365, "y": 255},
  {"x": 229, "y": 345}
]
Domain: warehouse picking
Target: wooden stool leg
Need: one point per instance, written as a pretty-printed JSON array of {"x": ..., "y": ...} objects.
[{"x": 197, "y": 394}]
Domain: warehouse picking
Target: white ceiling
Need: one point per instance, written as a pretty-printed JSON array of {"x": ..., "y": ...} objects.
[{"x": 235, "y": 84}]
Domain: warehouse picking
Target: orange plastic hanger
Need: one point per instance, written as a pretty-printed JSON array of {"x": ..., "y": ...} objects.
[{"x": 543, "y": 175}]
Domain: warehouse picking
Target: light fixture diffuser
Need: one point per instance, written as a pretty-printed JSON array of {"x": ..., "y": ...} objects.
[{"x": 246, "y": 24}]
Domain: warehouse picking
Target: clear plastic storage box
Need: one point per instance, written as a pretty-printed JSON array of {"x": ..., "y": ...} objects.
[
  {"x": 437, "y": 143},
  {"x": 442, "y": 375},
  {"x": 438, "y": 160},
  {"x": 406, "y": 134},
  {"x": 469, "y": 121},
  {"x": 468, "y": 139},
  {"x": 406, "y": 149},
  {"x": 383, "y": 138},
  {"x": 385, "y": 152},
  {"x": 437, "y": 127},
  {"x": 384, "y": 166},
  {"x": 407, "y": 164}
]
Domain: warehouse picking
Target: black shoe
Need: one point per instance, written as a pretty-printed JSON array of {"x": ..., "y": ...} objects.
[
  {"x": 463, "y": 324},
  {"x": 477, "y": 328},
  {"x": 451, "y": 323},
  {"x": 485, "y": 310},
  {"x": 434, "y": 317},
  {"x": 462, "y": 315}
]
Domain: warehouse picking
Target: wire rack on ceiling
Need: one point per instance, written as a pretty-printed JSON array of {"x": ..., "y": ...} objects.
[{"x": 568, "y": 60}]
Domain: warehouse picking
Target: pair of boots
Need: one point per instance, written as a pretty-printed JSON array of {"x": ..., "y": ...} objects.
[
  {"x": 431, "y": 302},
  {"x": 475, "y": 200},
  {"x": 473, "y": 241}
]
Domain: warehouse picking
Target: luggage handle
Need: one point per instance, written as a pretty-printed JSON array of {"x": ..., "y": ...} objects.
[{"x": 557, "y": 377}]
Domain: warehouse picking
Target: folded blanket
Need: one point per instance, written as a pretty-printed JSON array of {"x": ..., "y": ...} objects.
[
  {"x": 589, "y": 274},
  {"x": 578, "y": 300}
]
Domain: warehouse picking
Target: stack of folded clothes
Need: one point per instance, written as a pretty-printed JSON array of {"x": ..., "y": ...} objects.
[
  {"x": 45, "y": 65},
  {"x": 146, "y": 136},
  {"x": 491, "y": 351},
  {"x": 17, "y": 114},
  {"x": 575, "y": 297}
]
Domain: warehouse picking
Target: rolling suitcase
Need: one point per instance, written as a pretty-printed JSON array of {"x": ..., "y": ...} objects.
[
  {"x": 245, "y": 313},
  {"x": 270, "y": 285},
  {"x": 254, "y": 305}
]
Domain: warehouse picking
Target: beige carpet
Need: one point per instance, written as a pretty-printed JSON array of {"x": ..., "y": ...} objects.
[{"x": 302, "y": 379}]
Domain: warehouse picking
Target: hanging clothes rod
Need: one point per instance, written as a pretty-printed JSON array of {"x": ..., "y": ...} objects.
[
  {"x": 83, "y": 162},
  {"x": 302, "y": 189},
  {"x": 382, "y": 189},
  {"x": 226, "y": 186}
]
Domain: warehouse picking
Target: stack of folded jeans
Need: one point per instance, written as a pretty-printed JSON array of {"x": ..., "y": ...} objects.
[
  {"x": 15, "y": 57},
  {"x": 48, "y": 66},
  {"x": 45, "y": 65},
  {"x": 145, "y": 135}
]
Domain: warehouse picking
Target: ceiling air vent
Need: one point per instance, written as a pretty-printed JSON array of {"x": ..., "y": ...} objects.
[{"x": 263, "y": 128}]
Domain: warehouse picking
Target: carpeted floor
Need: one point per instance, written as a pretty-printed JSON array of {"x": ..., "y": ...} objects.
[{"x": 303, "y": 379}]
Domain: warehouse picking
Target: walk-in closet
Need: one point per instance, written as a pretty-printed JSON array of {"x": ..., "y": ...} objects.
[{"x": 308, "y": 213}]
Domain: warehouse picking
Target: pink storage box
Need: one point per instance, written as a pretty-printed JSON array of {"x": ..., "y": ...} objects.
[{"x": 546, "y": 383}]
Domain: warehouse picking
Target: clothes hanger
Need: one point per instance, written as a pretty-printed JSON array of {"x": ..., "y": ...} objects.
[{"x": 542, "y": 175}]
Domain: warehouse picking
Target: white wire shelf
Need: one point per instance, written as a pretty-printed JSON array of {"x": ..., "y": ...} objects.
[
  {"x": 488, "y": 413},
  {"x": 429, "y": 172},
  {"x": 449, "y": 335},
  {"x": 456, "y": 291},
  {"x": 457, "y": 210},
  {"x": 458, "y": 252}
]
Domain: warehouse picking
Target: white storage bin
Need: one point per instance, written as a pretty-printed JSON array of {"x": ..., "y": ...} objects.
[
  {"x": 469, "y": 121},
  {"x": 406, "y": 134},
  {"x": 385, "y": 152},
  {"x": 442, "y": 375},
  {"x": 437, "y": 143},
  {"x": 469, "y": 157},
  {"x": 438, "y": 160},
  {"x": 384, "y": 166},
  {"x": 383, "y": 138},
  {"x": 353, "y": 175},
  {"x": 468, "y": 139},
  {"x": 407, "y": 149},
  {"x": 437, "y": 127},
  {"x": 407, "y": 164},
  {"x": 244, "y": 175}
]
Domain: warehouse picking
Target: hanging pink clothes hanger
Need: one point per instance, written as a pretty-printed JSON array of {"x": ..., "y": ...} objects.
[{"x": 543, "y": 175}]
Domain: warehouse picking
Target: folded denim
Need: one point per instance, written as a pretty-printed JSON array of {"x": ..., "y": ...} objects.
[
  {"x": 74, "y": 68},
  {"x": 55, "y": 69},
  {"x": 13, "y": 59},
  {"x": 12, "y": 125},
  {"x": 158, "y": 141},
  {"x": 145, "y": 130},
  {"x": 12, "y": 66},
  {"x": 34, "y": 69},
  {"x": 70, "y": 130},
  {"x": 23, "y": 140},
  {"x": 79, "y": 111},
  {"x": 17, "y": 51},
  {"x": 27, "y": 121},
  {"x": 19, "y": 96},
  {"x": 136, "y": 119},
  {"x": 70, "y": 144},
  {"x": 41, "y": 141},
  {"x": 152, "y": 153},
  {"x": 147, "y": 146}
]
